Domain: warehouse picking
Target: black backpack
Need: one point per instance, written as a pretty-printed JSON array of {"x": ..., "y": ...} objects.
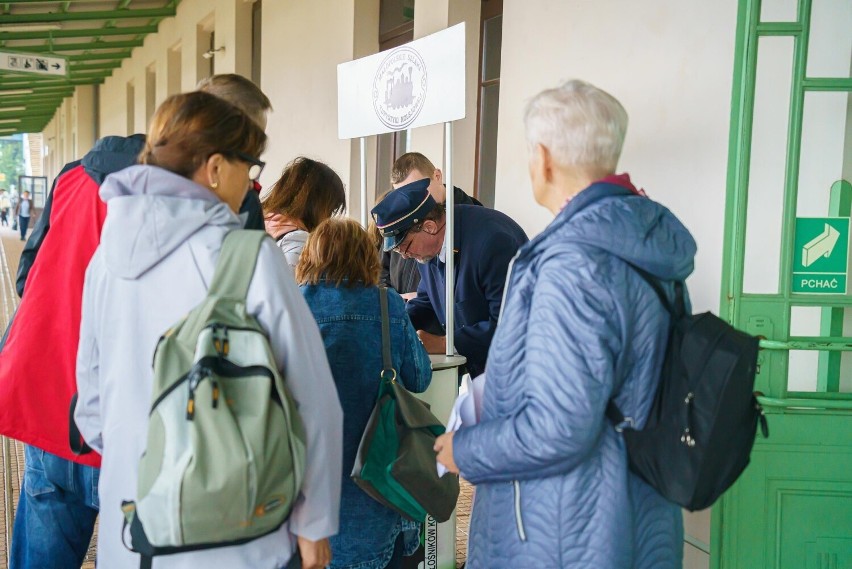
[{"x": 701, "y": 427}]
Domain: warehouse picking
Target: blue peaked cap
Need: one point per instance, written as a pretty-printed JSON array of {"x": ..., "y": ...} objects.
[{"x": 402, "y": 209}]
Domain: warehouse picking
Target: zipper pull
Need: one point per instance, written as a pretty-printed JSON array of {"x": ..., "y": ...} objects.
[
  {"x": 190, "y": 406},
  {"x": 215, "y": 392}
]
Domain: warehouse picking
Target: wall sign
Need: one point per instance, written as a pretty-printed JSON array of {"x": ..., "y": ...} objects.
[
  {"x": 416, "y": 84},
  {"x": 821, "y": 255},
  {"x": 32, "y": 63}
]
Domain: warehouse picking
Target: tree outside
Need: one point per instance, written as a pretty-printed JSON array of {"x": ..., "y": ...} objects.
[{"x": 12, "y": 162}]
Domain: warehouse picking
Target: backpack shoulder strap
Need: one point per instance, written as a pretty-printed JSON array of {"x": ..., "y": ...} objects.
[
  {"x": 676, "y": 309},
  {"x": 235, "y": 267}
]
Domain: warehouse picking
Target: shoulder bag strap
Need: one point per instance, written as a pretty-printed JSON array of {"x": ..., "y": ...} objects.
[
  {"x": 387, "y": 362},
  {"x": 235, "y": 267}
]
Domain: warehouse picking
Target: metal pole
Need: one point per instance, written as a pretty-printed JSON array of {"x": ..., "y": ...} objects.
[
  {"x": 363, "y": 182},
  {"x": 449, "y": 260}
]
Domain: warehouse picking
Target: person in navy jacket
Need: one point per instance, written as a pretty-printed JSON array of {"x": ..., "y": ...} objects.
[{"x": 485, "y": 240}]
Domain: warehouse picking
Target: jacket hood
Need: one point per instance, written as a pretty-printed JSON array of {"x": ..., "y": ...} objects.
[
  {"x": 151, "y": 212},
  {"x": 111, "y": 154},
  {"x": 631, "y": 227}
]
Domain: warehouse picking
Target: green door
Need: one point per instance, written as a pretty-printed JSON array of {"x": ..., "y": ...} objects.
[{"x": 785, "y": 277}]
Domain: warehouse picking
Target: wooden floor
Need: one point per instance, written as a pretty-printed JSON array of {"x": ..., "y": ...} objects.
[{"x": 13, "y": 461}]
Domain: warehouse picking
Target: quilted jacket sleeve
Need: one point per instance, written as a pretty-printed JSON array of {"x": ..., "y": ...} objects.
[{"x": 567, "y": 368}]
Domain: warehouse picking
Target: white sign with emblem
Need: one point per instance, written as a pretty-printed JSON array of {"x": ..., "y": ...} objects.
[
  {"x": 33, "y": 63},
  {"x": 416, "y": 84}
]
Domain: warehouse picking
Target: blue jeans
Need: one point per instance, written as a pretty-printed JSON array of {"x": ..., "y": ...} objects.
[
  {"x": 23, "y": 223},
  {"x": 56, "y": 513}
]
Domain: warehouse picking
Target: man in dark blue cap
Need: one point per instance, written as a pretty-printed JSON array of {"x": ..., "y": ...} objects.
[{"x": 485, "y": 240}]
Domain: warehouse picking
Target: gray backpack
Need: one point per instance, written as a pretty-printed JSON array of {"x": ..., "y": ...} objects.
[{"x": 225, "y": 456}]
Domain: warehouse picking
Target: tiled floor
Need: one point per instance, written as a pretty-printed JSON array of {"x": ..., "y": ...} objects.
[
  {"x": 11, "y": 452},
  {"x": 465, "y": 504}
]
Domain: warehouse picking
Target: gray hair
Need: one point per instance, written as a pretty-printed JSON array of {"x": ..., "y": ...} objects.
[{"x": 582, "y": 126}]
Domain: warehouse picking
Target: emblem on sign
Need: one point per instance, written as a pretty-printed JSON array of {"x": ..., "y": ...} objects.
[{"x": 399, "y": 89}]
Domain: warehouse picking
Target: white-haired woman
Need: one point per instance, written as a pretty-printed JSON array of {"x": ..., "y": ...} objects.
[{"x": 579, "y": 326}]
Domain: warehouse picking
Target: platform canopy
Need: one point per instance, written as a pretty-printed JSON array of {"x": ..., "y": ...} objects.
[{"x": 47, "y": 48}]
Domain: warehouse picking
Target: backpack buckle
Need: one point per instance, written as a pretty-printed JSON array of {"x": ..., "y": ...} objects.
[{"x": 627, "y": 423}]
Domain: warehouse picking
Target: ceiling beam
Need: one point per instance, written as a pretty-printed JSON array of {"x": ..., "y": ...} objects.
[
  {"x": 91, "y": 56},
  {"x": 36, "y": 90},
  {"x": 32, "y": 116},
  {"x": 46, "y": 103},
  {"x": 96, "y": 66},
  {"x": 53, "y": 17},
  {"x": 11, "y": 101},
  {"x": 78, "y": 80},
  {"x": 32, "y": 106},
  {"x": 9, "y": 79},
  {"x": 81, "y": 33},
  {"x": 82, "y": 46}
]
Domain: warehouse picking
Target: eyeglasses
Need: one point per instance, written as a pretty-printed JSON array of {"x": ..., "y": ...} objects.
[
  {"x": 410, "y": 237},
  {"x": 255, "y": 166},
  {"x": 404, "y": 251}
]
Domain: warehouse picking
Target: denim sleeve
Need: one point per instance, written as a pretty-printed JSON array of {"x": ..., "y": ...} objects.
[{"x": 571, "y": 345}]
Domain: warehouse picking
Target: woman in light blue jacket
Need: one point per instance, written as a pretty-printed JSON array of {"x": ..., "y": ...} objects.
[{"x": 579, "y": 326}]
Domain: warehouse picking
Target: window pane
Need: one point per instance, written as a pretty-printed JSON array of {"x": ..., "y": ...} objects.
[
  {"x": 768, "y": 159},
  {"x": 490, "y": 100},
  {"x": 807, "y": 372},
  {"x": 820, "y": 371},
  {"x": 778, "y": 10},
  {"x": 830, "y": 45},
  {"x": 492, "y": 45},
  {"x": 802, "y": 370},
  {"x": 826, "y": 153}
]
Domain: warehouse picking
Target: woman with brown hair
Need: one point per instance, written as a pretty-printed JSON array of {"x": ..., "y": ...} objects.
[
  {"x": 165, "y": 224},
  {"x": 307, "y": 193},
  {"x": 339, "y": 274}
]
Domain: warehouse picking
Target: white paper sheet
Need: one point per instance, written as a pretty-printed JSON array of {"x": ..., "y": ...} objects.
[{"x": 467, "y": 409}]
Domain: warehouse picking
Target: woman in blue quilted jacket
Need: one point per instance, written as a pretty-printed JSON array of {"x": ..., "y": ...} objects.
[
  {"x": 339, "y": 272},
  {"x": 579, "y": 326}
]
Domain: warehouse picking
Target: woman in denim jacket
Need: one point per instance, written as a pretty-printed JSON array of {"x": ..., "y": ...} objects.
[{"x": 339, "y": 273}]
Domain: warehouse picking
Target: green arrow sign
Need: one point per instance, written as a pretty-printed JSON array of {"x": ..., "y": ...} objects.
[{"x": 821, "y": 255}]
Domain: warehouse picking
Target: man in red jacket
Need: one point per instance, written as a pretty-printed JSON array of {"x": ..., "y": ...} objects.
[{"x": 59, "y": 502}]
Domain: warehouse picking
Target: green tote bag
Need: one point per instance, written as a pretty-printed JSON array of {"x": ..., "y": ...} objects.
[{"x": 395, "y": 464}]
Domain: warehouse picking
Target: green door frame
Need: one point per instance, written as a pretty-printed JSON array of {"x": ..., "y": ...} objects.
[{"x": 749, "y": 523}]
